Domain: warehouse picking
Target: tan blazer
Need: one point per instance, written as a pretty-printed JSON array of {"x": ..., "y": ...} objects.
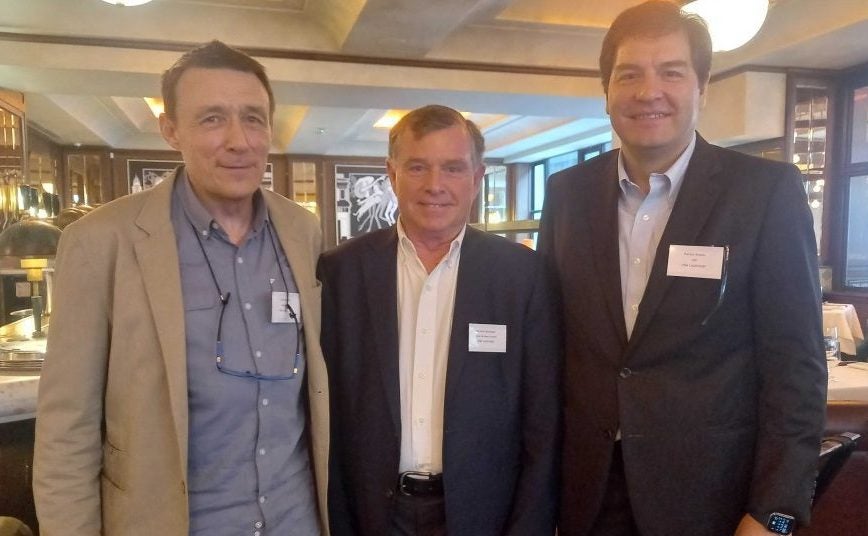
[{"x": 111, "y": 427}]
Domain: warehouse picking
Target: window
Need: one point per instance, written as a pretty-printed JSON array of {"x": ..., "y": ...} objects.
[
  {"x": 495, "y": 195},
  {"x": 548, "y": 167},
  {"x": 854, "y": 174},
  {"x": 856, "y": 269}
]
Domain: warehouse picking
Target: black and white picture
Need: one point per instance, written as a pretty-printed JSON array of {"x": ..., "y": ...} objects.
[
  {"x": 364, "y": 200},
  {"x": 145, "y": 174}
]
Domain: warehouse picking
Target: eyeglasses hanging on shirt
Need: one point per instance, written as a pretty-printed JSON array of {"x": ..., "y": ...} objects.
[{"x": 281, "y": 312}]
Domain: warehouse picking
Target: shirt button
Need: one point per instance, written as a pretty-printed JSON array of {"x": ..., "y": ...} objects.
[
  {"x": 425, "y": 330},
  {"x": 428, "y": 288},
  {"x": 247, "y": 306},
  {"x": 240, "y": 260},
  {"x": 421, "y": 375},
  {"x": 205, "y": 233},
  {"x": 264, "y": 401},
  {"x": 634, "y": 307},
  {"x": 257, "y": 353},
  {"x": 645, "y": 217},
  {"x": 258, "y": 524},
  {"x": 637, "y": 260},
  {"x": 421, "y": 420},
  {"x": 625, "y": 373},
  {"x": 257, "y": 533},
  {"x": 262, "y": 500},
  {"x": 214, "y": 225},
  {"x": 262, "y": 452}
]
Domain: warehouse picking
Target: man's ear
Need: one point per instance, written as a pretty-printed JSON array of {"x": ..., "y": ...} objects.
[
  {"x": 390, "y": 169},
  {"x": 169, "y": 131},
  {"x": 703, "y": 94}
]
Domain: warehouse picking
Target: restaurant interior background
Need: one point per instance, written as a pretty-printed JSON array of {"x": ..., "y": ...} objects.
[
  {"x": 78, "y": 79},
  {"x": 77, "y": 129}
]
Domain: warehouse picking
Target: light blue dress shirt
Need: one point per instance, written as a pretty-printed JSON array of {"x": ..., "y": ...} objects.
[{"x": 641, "y": 221}]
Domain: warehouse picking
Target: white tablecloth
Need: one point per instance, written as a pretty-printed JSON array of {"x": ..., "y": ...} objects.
[
  {"x": 849, "y": 382},
  {"x": 843, "y": 316}
]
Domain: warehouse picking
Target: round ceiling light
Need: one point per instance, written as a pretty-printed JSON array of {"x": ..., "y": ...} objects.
[{"x": 732, "y": 23}]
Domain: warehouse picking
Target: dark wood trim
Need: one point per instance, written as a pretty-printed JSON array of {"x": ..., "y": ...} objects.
[{"x": 306, "y": 55}]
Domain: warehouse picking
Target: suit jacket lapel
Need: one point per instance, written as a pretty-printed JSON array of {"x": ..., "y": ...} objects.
[
  {"x": 157, "y": 254},
  {"x": 470, "y": 266},
  {"x": 694, "y": 205},
  {"x": 601, "y": 199},
  {"x": 380, "y": 279}
]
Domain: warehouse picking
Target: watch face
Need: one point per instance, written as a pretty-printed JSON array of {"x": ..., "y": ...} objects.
[{"x": 780, "y": 523}]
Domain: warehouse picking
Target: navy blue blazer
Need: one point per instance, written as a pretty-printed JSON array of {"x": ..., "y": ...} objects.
[
  {"x": 502, "y": 411},
  {"x": 719, "y": 396}
]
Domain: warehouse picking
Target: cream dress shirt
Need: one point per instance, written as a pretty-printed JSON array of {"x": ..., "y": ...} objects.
[{"x": 425, "y": 305}]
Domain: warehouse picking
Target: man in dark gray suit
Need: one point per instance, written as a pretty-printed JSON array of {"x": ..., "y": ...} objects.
[
  {"x": 443, "y": 351},
  {"x": 695, "y": 381}
]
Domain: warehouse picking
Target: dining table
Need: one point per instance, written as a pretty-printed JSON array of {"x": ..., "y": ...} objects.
[
  {"x": 843, "y": 316},
  {"x": 848, "y": 381}
]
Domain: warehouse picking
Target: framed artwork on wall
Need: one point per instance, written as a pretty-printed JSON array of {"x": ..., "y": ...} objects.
[
  {"x": 364, "y": 200},
  {"x": 145, "y": 174}
]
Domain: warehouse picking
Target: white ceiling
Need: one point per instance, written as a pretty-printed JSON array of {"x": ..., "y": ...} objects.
[{"x": 523, "y": 68}]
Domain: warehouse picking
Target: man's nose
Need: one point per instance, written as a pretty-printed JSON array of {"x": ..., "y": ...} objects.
[{"x": 236, "y": 135}]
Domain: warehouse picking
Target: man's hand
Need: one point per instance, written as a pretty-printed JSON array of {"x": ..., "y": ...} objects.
[{"x": 751, "y": 527}]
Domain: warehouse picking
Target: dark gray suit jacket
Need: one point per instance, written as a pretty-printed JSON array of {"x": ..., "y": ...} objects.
[
  {"x": 502, "y": 411},
  {"x": 720, "y": 406}
]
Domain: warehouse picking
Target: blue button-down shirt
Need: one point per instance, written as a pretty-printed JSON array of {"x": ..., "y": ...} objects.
[
  {"x": 641, "y": 221},
  {"x": 249, "y": 471}
]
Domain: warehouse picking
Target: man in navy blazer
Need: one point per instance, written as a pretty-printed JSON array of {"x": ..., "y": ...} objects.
[
  {"x": 443, "y": 350},
  {"x": 695, "y": 382}
]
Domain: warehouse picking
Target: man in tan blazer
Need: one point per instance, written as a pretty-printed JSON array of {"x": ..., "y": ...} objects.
[{"x": 184, "y": 391}]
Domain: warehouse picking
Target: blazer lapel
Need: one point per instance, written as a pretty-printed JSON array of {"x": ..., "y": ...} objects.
[
  {"x": 601, "y": 199},
  {"x": 157, "y": 255},
  {"x": 694, "y": 205},
  {"x": 380, "y": 279},
  {"x": 470, "y": 266}
]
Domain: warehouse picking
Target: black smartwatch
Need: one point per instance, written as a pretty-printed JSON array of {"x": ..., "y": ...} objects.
[{"x": 781, "y": 523}]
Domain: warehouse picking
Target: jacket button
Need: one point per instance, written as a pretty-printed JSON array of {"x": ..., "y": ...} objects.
[
  {"x": 390, "y": 493},
  {"x": 625, "y": 373}
]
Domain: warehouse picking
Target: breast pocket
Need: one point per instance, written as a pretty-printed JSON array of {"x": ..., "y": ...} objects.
[{"x": 198, "y": 287}]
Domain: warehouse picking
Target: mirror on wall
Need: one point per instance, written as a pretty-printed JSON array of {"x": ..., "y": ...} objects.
[
  {"x": 12, "y": 166},
  {"x": 86, "y": 183}
]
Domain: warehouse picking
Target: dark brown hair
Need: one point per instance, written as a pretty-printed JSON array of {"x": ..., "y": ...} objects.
[
  {"x": 431, "y": 118},
  {"x": 656, "y": 18},
  {"x": 213, "y": 55}
]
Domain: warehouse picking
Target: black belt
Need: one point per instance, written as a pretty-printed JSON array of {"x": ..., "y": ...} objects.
[{"x": 419, "y": 484}]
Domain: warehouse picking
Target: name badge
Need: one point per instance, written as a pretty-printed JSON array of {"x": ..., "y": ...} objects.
[
  {"x": 280, "y": 313},
  {"x": 487, "y": 338},
  {"x": 705, "y": 262}
]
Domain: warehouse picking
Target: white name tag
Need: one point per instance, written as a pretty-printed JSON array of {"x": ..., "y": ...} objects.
[
  {"x": 705, "y": 262},
  {"x": 280, "y": 313},
  {"x": 487, "y": 338}
]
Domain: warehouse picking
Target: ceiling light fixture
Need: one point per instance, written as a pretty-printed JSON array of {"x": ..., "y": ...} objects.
[
  {"x": 391, "y": 117},
  {"x": 731, "y": 24},
  {"x": 127, "y": 3},
  {"x": 156, "y": 106}
]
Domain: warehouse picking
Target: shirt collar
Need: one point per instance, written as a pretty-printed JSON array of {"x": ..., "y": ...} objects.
[
  {"x": 675, "y": 173},
  {"x": 407, "y": 250},
  {"x": 202, "y": 219}
]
